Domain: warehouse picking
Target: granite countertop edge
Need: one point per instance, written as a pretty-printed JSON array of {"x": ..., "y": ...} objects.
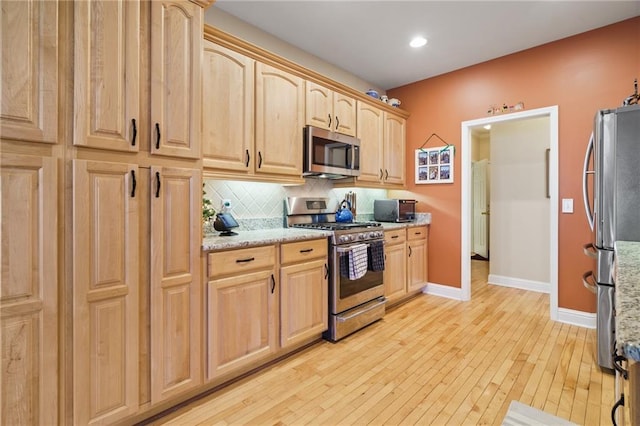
[
  {"x": 627, "y": 298},
  {"x": 265, "y": 237}
]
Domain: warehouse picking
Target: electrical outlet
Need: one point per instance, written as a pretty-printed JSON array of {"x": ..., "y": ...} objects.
[
  {"x": 567, "y": 205},
  {"x": 226, "y": 204}
]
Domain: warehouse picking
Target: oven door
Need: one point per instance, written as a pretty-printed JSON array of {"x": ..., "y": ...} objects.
[{"x": 345, "y": 293}]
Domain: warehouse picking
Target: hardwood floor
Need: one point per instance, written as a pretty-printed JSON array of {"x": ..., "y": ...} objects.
[{"x": 429, "y": 361}]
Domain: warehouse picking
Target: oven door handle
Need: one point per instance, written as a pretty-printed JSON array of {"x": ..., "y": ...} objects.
[
  {"x": 360, "y": 312},
  {"x": 349, "y": 248}
]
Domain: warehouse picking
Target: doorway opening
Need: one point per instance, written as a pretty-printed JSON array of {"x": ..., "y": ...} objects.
[{"x": 466, "y": 197}]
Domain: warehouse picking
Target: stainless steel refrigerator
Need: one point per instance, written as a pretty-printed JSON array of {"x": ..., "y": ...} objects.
[{"x": 613, "y": 153}]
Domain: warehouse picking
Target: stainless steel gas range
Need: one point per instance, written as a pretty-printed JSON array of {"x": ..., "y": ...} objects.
[{"x": 356, "y": 264}]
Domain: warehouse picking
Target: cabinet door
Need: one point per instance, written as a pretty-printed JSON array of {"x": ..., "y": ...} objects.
[
  {"x": 176, "y": 61},
  {"x": 241, "y": 327},
  {"x": 395, "y": 271},
  {"x": 29, "y": 89},
  {"x": 279, "y": 121},
  {"x": 417, "y": 264},
  {"x": 227, "y": 109},
  {"x": 344, "y": 113},
  {"x": 105, "y": 291},
  {"x": 370, "y": 132},
  {"x": 107, "y": 70},
  {"x": 319, "y": 106},
  {"x": 176, "y": 240},
  {"x": 304, "y": 303},
  {"x": 394, "y": 149},
  {"x": 29, "y": 290}
]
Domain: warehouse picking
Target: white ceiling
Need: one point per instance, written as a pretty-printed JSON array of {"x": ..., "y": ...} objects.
[{"x": 370, "y": 39}]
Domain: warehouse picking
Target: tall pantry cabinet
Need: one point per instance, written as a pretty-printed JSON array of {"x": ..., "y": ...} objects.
[
  {"x": 29, "y": 196},
  {"x": 101, "y": 187}
]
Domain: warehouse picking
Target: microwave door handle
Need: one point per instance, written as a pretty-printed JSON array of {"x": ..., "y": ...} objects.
[
  {"x": 349, "y": 156},
  {"x": 585, "y": 193}
]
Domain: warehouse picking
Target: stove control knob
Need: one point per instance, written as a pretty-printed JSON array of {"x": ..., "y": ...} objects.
[
  {"x": 344, "y": 238},
  {"x": 362, "y": 236}
]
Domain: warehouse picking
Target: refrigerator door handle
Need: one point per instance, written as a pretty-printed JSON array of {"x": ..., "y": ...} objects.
[
  {"x": 585, "y": 193},
  {"x": 590, "y": 250},
  {"x": 585, "y": 281}
]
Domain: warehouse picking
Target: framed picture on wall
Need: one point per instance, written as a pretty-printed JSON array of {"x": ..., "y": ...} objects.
[{"x": 434, "y": 165}]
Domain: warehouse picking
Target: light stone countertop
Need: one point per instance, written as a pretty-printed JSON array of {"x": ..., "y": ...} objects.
[
  {"x": 282, "y": 235},
  {"x": 261, "y": 238},
  {"x": 627, "y": 298}
]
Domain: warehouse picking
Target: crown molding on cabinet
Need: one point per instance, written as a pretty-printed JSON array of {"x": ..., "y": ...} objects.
[
  {"x": 234, "y": 43},
  {"x": 205, "y": 4}
]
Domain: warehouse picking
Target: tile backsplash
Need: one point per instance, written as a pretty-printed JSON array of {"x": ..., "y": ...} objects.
[{"x": 258, "y": 205}]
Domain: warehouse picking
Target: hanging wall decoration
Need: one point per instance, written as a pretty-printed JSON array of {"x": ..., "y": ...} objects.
[{"x": 434, "y": 165}]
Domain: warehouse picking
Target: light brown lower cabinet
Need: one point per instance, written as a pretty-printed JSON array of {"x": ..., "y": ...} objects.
[
  {"x": 406, "y": 268},
  {"x": 108, "y": 233},
  {"x": 29, "y": 290},
  {"x": 255, "y": 314},
  {"x": 417, "y": 257},
  {"x": 304, "y": 291},
  {"x": 242, "y": 303}
]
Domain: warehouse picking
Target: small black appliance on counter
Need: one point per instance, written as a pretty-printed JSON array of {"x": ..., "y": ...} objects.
[
  {"x": 394, "y": 210},
  {"x": 224, "y": 223}
]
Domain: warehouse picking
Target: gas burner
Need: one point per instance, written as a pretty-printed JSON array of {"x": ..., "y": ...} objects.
[{"x": 336, "y": 226}]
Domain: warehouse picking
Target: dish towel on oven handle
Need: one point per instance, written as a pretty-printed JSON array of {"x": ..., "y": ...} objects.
[
  {"x": 375, "y": 256},
  {"x": 357, "y": 261}
]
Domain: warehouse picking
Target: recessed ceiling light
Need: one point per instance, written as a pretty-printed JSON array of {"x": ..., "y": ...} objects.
[
  {"x": 487, "y": 126},
  {"x": 418, "y": 42}
]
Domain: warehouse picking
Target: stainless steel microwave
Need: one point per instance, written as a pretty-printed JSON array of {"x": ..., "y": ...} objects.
[{"x": 330, "y": 155}]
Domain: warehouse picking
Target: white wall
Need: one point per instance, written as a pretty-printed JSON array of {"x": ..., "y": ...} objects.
[
  {"x": 519, "y": 224},
  {"x": 230, "y": 24}
]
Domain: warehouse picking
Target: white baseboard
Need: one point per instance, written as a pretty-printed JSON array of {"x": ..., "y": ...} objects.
[
  {"x": 443, "y": 291},
  {"x": 579, "y": 318},
  {"x": 537, "y": 286}
]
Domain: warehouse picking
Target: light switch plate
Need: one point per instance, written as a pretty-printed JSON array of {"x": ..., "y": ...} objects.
[{"x": 567, "y": 205}]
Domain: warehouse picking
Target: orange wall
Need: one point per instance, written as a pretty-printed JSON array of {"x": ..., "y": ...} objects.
[{"x": 580, "y": 74}]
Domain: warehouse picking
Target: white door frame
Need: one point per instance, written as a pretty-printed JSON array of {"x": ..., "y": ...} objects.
[{"x": 465, "y": 195}]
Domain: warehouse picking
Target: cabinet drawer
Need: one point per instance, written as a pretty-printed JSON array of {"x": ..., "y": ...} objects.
[
  {"x": 395, "y": 236},
  {"x": 303, "y": 250},
  {"x": 238, "y": 261},
  {"x": 417, "y": 233}
]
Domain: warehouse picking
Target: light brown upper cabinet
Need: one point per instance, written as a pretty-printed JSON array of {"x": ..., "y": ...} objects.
[
  {"x": 382, "y": 146},
  {"x": 330, "y": 110},
  {"x": 29, "y": 89},
  {"x": 107, "y": 74},
  {"x": 176, "y": 52},
  {"x": 279, "y": 121},
  {"x": 227, "y": 110},
  {"x": 394, "y": 149}
]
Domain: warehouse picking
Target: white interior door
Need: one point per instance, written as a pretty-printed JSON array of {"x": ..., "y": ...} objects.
[{"x": 480, "y": 208}]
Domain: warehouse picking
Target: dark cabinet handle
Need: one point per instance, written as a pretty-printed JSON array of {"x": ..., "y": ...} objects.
[
  {"x": 337, "y": 122},
  {"x": 273, "y": 284},
  {"x": 395, "y": 236},
  {"x": 417, "y": 233},
  {"x": 135, "y": 132},
  {"x": 157, "y": 135},
  {"x": 133, "y": 183},
  {"x": 249, "y": 259},
  {"x": 329, "y": 115},
  {"x": 409, "y": 251},
  {"x": 248, "y": 158},
  {"x": 617, "y": 360},
  {"x": 386, "y": 174},
  {"x": 326, "y": 271},
  {"x": 619, "y": 403},
  {"x": 259, "y": 159},
  {"x": 157, "y": 184},
  {"x": 306, "y": 250},
  {"x": 380, "y": 174}
]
